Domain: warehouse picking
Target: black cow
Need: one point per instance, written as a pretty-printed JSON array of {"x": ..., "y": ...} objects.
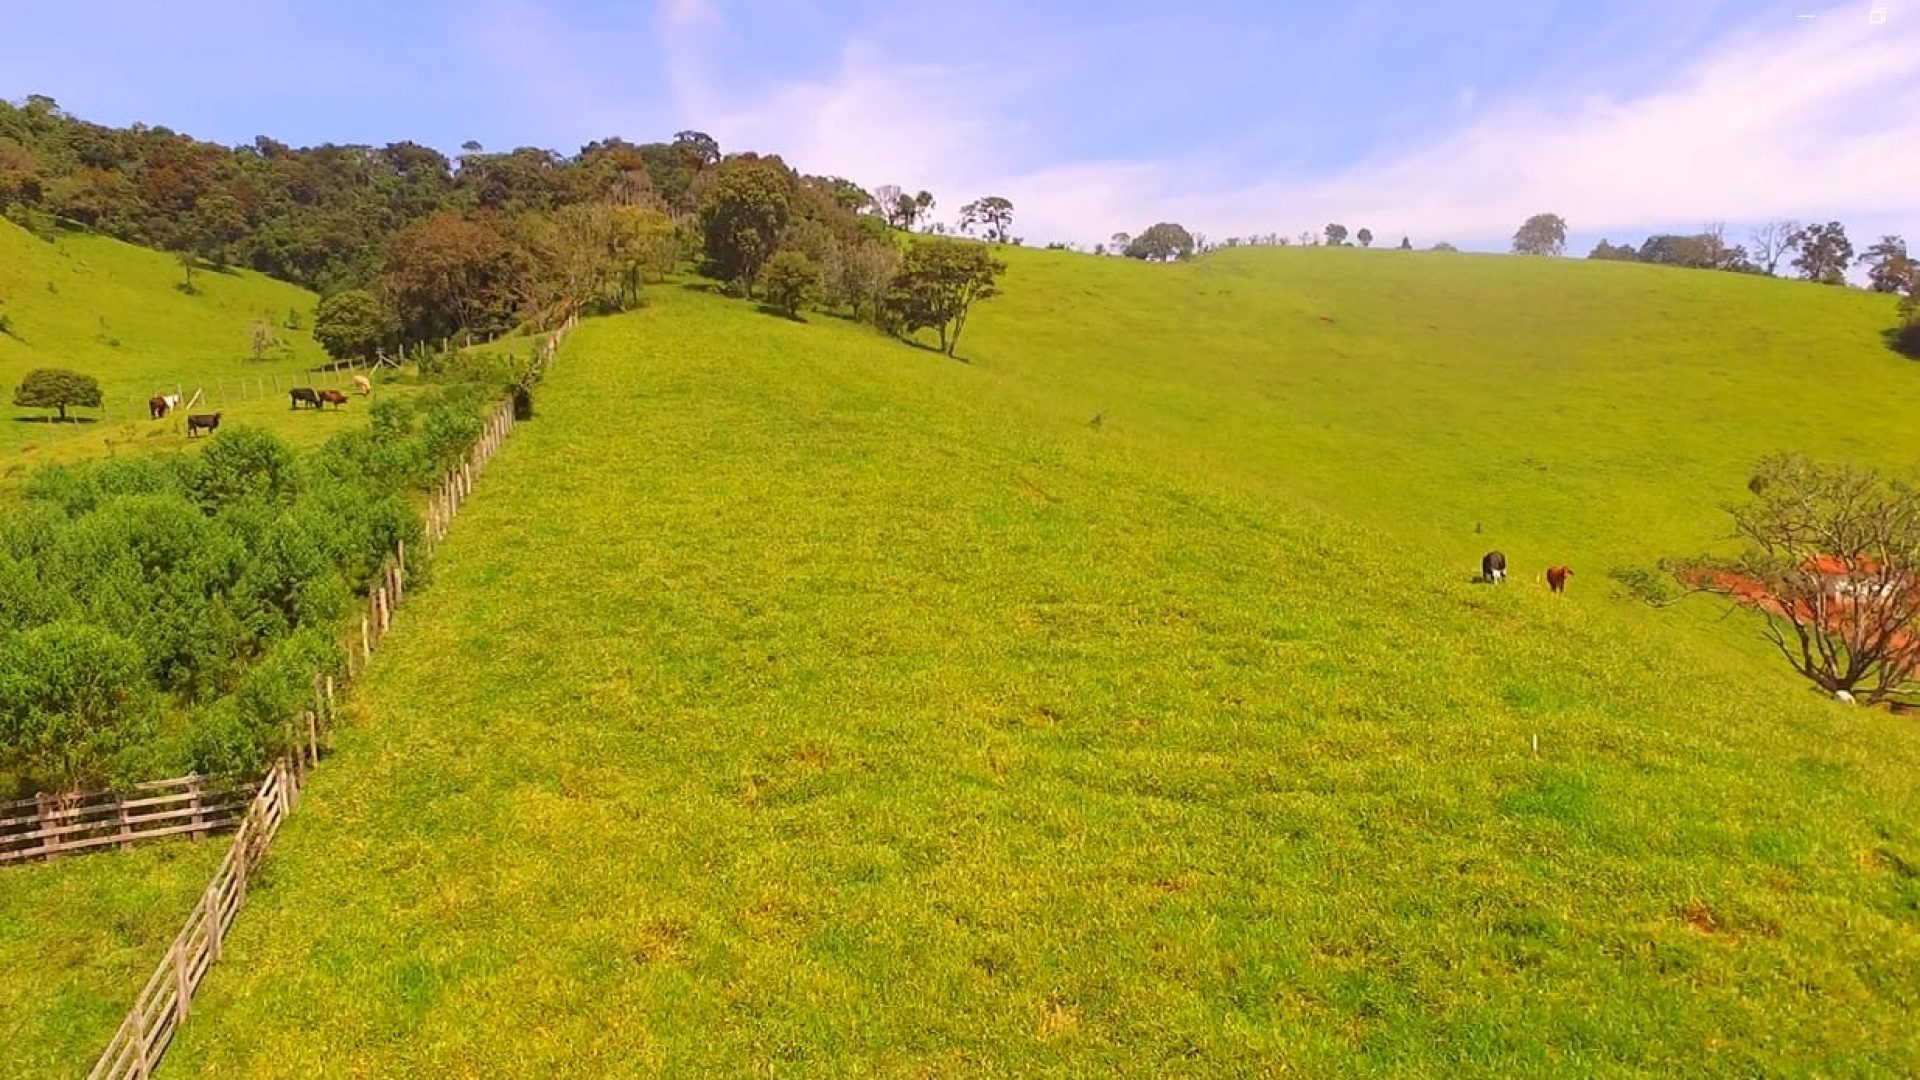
[
  {"x": 303, "y": 394},
  {"x": 198, "y": 422},
  {"x": 1493, "y": 567}
]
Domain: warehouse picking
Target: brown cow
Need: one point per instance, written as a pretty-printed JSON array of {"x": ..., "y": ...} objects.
[
  {"x": 1557, "y": 578},
  {"x": 333, "y": 397},
  {"x": 157, "y": 407},
  {"x": 198, "y": 422}
]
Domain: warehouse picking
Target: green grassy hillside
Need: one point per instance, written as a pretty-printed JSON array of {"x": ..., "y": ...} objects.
[
  {"x": 790, "y": 701},
  {"x": 113, "y": 311},
  {"x": 79, "y": 938}
]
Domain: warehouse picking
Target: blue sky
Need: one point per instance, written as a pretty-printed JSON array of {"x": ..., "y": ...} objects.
[{"x": 1436, "y": 120}]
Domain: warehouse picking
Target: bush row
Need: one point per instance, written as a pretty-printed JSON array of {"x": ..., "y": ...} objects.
[{"x": 169, "y": 612}]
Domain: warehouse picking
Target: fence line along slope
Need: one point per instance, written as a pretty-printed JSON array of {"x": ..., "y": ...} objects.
[{"x": 796, "y": 702}]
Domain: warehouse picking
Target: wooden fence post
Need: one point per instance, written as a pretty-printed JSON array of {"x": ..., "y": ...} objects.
[
  {"x": 41, "y": 800},
  {"x": 125, "y": 830},
  {"x": 199, "y": 809},
  {"x": 366, "y": 637},
  {"x": 313, "y": 738},
  {"x": 210, "y": 903},
  {"x": 142, "y": 1068},
  {"x": 381, "y": 608},
  {"x": 182, "y": 983},
  {"x": 240, "y": 856}
]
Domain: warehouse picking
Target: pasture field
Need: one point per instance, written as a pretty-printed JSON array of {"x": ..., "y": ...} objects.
[
  {"x": 113, "y": 311},
  {"x": 790, "y": 701},
  {"x": 78, "y": 938}
]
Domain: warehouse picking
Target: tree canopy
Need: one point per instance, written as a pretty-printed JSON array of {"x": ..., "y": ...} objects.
[
  {"x": 1889, "y": 268},
  {"x": 1824, "y": 253},
  {"x": 742, "y": 216},
  {"x": 937, "y": 286},
  {"x": 57, "y": 388},
  {"x": 354, "y": 324},
  {"x": 993, "y": 213},
  {"x": 1541, "y": 234},
  {"x": 1832, "y": 561},
  {"x": 1161, "y": 242},
  {"x": 790, "y": 281}
]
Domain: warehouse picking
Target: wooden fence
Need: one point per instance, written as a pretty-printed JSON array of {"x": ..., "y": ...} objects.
[
  {"x": 167, "y": 999},
  {"x": 49, "y": 825}
]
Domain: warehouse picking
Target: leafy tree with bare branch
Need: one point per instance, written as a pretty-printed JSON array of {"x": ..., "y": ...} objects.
[
  {"x": 1771, "y": 242},
  {"x": 1832, "y": 561}
]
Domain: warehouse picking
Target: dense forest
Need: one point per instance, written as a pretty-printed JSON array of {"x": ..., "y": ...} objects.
[{"x": 409, "y": 246}]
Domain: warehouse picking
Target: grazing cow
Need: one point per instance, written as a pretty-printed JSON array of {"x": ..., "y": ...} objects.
[
  {"x": 303, "y": 395},
  {"x": 199, "y": 422},
  {"x": 172, "y": 400},
  {"x": 1493, "y": 567},
  {"x": 1557, "y": 578},
  {"x": 333, "y": 397},
  {"x": 157, "y": 407},
  {"x": 363, "y": 384}
]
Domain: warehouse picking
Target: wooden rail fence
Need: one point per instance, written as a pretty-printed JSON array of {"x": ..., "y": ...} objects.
[
  {"x": 49, "y": 825},
  {"x": 167, "y": 999}
]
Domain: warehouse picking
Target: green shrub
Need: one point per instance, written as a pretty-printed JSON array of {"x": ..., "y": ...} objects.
[
  {"x": 244, "y": 463},
  {"x": 212, "y": 583},
  {"x": 77, "y": 489},
  {"x": 73, "y": 698},
  {"x": 1907, "y": 339}
]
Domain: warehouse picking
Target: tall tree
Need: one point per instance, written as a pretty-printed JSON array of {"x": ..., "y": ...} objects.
[
  {"x": 451, "y": 273},
  {"x": 1365, "y": 236},
  {"x": 1771, "y": 241},
  {"x": 699, "y": 149},
  {"x": 743, "y": 215},
  {"x": 57, "y": 388},
  {"x": 1336, "y": 235},
  {"x": 1406, "y": 243},
  {"x": 1832, "y": 561},
  {"x": 993, "y": 213},
  {"x": 1162, "y": 242},
  {"x": 1889, "y": 268},
  {"x": 938, "y": 284},
  {"x": 791, "y": 281},
  {"x": 1607, "y": 250},
  {"x": 644, "y": 244},
  {"x": 886, "y": 198},
  {"x": 1824, "y": 253},
  {"x": 1541, "y": 234},
  {"x": 353, "y": 324}
]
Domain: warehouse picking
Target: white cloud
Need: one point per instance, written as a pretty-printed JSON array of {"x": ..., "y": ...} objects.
[
  {"x": 1800, "y": 118},
  {"x": 689, "y": 12}
]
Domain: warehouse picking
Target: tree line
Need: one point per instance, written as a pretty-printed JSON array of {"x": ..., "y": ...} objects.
[
  {"x": 1817, "y": 252},
  {"x": 408, "y": 246}
]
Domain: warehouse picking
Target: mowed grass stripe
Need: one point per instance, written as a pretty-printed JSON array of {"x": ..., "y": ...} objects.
[{"x": 790, "y": 701}]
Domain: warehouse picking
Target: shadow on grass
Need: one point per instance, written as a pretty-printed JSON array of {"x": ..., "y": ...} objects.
[
  {"x": 56, "y": 420},
  {"x": 1904, "y": 340},
  {"x": 778, "y": 313}
]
